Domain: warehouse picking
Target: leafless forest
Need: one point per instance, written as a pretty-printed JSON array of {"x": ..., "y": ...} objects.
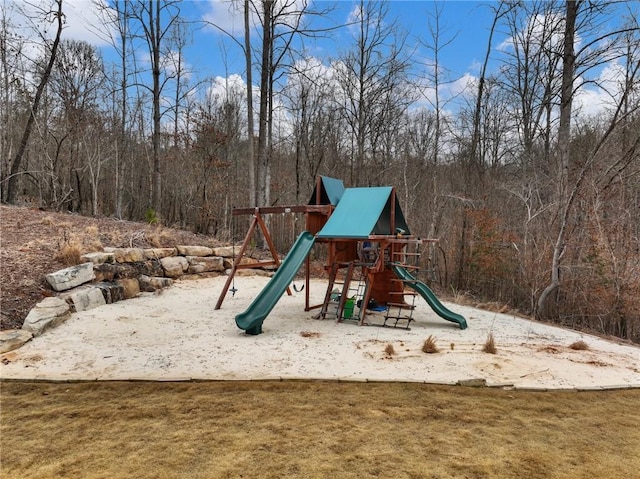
[{"x": 534, "y": 196}]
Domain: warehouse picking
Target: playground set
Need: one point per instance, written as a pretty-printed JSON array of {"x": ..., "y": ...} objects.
[{"x": 370, "y": 256}]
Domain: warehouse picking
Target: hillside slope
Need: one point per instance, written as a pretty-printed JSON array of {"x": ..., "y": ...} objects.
[{"x": 34, "y": 243}]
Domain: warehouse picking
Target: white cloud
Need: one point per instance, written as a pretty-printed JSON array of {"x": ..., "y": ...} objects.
[
  {"x": 539, "y": 31},
  {"x": 228, "y": 15},
  {"x": 225, "y": 14},
  {"x": 464, "y": 84},
  {"x": 83, "y": 19},
  {"x": 355, "y": 15},
  {"x": 222, "y": 88},
  {"x": 595, "y": 98},
  {"x": 170, "y": 62},
  {"x": 449, "y": 92},
  {"x": 313, "y": 69},
  {"x": 31, "y": 22}
]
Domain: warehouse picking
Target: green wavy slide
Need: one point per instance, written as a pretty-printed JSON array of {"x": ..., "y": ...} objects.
[
  {"x": 251, "y": 320},
  {"x": 428, "y": 295}
]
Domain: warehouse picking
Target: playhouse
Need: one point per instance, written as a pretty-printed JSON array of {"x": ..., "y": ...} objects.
[{"x": 371, "y": 254}]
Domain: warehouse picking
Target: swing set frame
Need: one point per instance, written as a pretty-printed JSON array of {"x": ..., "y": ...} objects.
[{"x": 315, "y": 215}]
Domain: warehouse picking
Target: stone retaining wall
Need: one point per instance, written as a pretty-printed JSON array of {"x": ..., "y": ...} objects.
[{"x": 113, "y": 275}]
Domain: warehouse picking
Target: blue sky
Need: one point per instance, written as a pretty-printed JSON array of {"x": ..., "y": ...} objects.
[
  {"x": 467, "y": 21},
  {"x": 212, "y": 54}
]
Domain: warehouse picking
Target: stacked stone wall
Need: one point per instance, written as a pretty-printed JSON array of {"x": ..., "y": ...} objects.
[{"x": 113, "y": 275}]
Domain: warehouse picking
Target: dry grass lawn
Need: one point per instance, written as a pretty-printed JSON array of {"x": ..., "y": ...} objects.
[{"x": 314, "y": 429}]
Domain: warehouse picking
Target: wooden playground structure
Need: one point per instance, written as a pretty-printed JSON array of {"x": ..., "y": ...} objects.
[{"x": 369, "y": 251}]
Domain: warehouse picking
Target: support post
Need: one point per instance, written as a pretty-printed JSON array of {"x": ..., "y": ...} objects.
[{"x": 257, "y": 221}]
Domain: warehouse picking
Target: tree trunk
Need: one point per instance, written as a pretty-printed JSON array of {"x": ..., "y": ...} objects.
[
  {"x": 263, "y": 150},
  {"x": 154, "y": 27},
  {"x": 564, "y": 137},
  {"x": 474, "y": 157},
  {"x": 12, "y": 187},
  {"x": 253, "y": 197}
]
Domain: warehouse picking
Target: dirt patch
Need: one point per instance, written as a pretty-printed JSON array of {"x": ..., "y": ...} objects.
[
  {"x": 550, "y": 349},
  {"x": 310, "y": 334}
]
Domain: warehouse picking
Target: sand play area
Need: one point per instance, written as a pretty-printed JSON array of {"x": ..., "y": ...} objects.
[{"x": 177, "y": 335}]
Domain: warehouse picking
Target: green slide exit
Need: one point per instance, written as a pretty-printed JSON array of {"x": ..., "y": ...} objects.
[
  {"x": 429, "y": 297},
  {"x": 251, "y": 320}
]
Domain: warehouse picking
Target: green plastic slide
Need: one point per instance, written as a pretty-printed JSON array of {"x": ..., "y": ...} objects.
[
  {"x": 251, "y": 320},
  {"x": 429, "y": 297}
]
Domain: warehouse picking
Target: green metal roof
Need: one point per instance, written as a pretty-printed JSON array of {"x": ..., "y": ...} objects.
[
  {"x": 331, "y": 191},
  {"x": 362, "y": 212}
]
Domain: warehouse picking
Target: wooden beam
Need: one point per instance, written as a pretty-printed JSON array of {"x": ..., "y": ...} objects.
[
  {"x": 392, "y": 218},
  {"x": 236, "y": 262},
  {"x": 271, "y": 210},
  {"x": 257, "y": 221}
]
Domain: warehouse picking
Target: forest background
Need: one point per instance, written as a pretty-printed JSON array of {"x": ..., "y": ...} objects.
[{"x": 529, "y": 179}]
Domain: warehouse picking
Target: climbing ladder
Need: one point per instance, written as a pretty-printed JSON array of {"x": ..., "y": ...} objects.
[
  {"x": 352, "y": 281},
  {"x": 340, "y": 291},
  {"x": 399, "y": 314}
]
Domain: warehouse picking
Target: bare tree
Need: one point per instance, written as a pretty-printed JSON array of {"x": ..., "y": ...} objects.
[
  {"x": 180, "y": 38},
  {"x": 564, "y": 136},
  {"x": 428, "y": 129},
  {"x": 282, "y": 24},
  {"x": 76, "y": 84},
  {"x": 571, "y": 173},
  {"x": 373, "y": 70},
  {"x": 12, "y": 85},
  {"x": 157, "y": 19},
  {"x": 316, "y": 123},
  {"x": 501, "y": 10},
  {"x": 121, "y": 34},
  {"x": 253, "y": 199},
  {"x": 263, "y": 160},
  {"x": 58, "y": 18},
  {"x": 531, "y": 70},
  {"x": 436, "y": 74}
]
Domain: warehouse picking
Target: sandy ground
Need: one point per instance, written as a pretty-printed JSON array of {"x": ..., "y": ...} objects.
[{"x": 178, "y": 335}]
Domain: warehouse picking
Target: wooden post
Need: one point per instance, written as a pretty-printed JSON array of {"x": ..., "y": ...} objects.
[
  {"x": 257, "y": 221},
  {"x": 236, "y": 261}
]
